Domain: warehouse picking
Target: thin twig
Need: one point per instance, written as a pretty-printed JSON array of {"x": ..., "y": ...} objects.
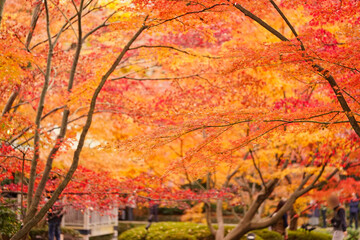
[{"x": 257, "y": 169}]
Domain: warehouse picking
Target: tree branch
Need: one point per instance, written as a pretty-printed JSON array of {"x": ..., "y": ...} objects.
[
  {"x": 64, "y": 123},
  {"x": 40, "y": 110},
  {"x": 208, "y": 218},
  {"x": 41, "y": 186},
  {"x": 22, "y": 132},
  {"x": 98, "y": 27},
  {"x": 34, "y": 19},
  {"x": 260, "y": 21},
  {"x": 188, "y": 13},
  {"x": 67, "y": 20},
  {"x": 66, "y": 25},
  {"x": 173, "y": 48},
  {"x": 78, "y": 49},
  {"x": 323, "y": 72},
  {"x": 26, "y": 228},
  {"x": 257, "y": 168},
  {"x": 154, "y": 79},
  {"x": 2, "y": 4},
  {"x": 220, "y": 220},
  {"x": 245, "y": 225},
  {"x": 298, "y": 193},
  {"x": 288, "y": 23},
  {"x": 10, "y": 102},
  {"x": 19, "y": 158},
  {"x": 340, "y": 97}
]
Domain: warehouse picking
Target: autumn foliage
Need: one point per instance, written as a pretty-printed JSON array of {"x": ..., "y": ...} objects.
[{"x": 217, "y": 101}]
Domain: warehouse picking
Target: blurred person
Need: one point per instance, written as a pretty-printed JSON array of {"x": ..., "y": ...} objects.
[
  {"x": 354, "y": 210},
  {"x": 54, "y": 217},
  {"x": 338, "y": 221},
  {"x": 323, "y": 215}
]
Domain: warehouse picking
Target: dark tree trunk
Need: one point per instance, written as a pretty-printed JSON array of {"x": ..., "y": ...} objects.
[{"x": 293, "y": 220}]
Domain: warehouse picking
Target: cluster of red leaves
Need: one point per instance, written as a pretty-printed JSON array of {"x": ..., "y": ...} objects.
[{"x": 328, "y": 11}]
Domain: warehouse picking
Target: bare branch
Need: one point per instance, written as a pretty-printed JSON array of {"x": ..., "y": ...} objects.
[
  {"x": 288, "y": 23},
  {"x": 340, "y": 97},
  {"x": 2, "y": 4},
  {"x": 173, "y": 48},
  {"x": 78, "y": 49},
  {"x": 331, "y": 175},
  {"x": 257, "y": 168},
  {"x": 36, "y": 199},
  {"x": 304, "y": 181},
  {"x": 351, "y": 96},
  {"x": 41, "y": 186},
  {"x": 66, "y": 18},
  {"x": 19, "y": 158},
  {"x": 104, "y": 24},
  {"x": 40, "y": 109},
  {"x": 208, "y": 218},
  {"x": 76, "y": 9},
  {"x": 34, "y": 19},
  {"x": 188, "y": 13},
  {"x": 260, "y": 21},
  {"x": 10, "y": 102},
  {"x": 154, "y": 79},
  {"x": 66, "y": 25},
  {"x": 312, "y": 184},
  {"x": 48, "y": 24},
  {"x": 245, "y": 225},
  {"x": 299, "y": 192}
]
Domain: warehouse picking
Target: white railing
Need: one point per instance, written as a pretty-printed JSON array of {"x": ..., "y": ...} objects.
[
  {"x": 103, "y": 218},
  {"x": 74, "y": 217},
  {"x": 94, "y": 223}
]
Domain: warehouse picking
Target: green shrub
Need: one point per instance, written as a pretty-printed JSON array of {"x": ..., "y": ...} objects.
[
  {"x": 102, "y": 237},
  {"x": 138, "y": 233},
  {"x": 168, "y": 231},
  {"x": 42, "y": 233},
  {"x": 327, "y": 231},
  {"x": 353, "y": 234},
  {"x": 122, "y": 227},
  {"x": 302, "y": 235},
  {"x": 9, "y": 224},
  {"x": 264, "y": 234},
  {"x": 179, "y": 236},
  {"x": 268, "y": 235},
  {"x": 70, "y": 231},
  {"x": 185, "y": 231}
]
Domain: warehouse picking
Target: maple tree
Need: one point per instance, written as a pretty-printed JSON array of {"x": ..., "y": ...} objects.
[
  {"x": 297, "y": 64},
  {"x": 196, "y": 90},
  {"x": 66, "y": 42},
  {"x": 51, "y": 54}
]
